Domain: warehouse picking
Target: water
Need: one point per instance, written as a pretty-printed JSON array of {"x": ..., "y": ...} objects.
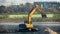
[
  {"x": 53, "y": 25},
  {"x": 22, "y": 33},
  {"x": 55, "y": 28}
]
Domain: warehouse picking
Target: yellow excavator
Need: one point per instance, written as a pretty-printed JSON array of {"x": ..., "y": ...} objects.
[{"x": 28, "y": 26}]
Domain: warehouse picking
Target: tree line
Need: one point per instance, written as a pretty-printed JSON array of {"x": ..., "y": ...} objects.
[{"x": 26, "y": 8}]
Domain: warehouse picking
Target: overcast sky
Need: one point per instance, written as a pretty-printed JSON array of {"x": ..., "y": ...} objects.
[{"x": 17, "y": 2}]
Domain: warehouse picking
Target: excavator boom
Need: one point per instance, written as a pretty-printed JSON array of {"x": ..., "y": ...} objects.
[{"x": 32, "y": 12}]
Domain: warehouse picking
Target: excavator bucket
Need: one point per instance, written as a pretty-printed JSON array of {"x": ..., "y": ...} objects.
[{"x": 44, "y": 16}]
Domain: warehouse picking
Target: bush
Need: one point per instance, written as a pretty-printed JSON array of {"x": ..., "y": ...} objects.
[{"x": 3, "y": 16}]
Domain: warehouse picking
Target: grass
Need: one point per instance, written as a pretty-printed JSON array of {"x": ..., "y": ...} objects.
[
  {"x": 26, "y": 15},
  {"x": 35, "y": 15},
  {"x": 22, "y": 17}
]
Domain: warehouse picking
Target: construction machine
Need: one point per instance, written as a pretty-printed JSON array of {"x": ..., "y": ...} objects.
[{"x": 28, "y": 26}]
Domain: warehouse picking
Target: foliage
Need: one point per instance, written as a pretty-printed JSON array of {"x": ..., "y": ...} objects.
[
  {"x": 3, "y": 16},
  {"x": 56, "y": 16}
]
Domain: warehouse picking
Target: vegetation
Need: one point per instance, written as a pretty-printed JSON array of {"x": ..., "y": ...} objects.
[
  {"x": 35, "y": 17},
  {"x": 20, "y": 12},
  {"x": 50, "y": 8},
  {"x": 25, "y": 15}
]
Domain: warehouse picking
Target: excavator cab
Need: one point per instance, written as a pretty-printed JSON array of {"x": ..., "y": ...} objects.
[{"x": 27, "y": 28}]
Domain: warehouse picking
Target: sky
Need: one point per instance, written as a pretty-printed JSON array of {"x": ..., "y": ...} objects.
[{"x": 17, "y": 2}]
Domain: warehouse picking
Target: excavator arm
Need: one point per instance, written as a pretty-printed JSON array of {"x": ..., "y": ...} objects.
[{"x": 30, "y": 15}]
